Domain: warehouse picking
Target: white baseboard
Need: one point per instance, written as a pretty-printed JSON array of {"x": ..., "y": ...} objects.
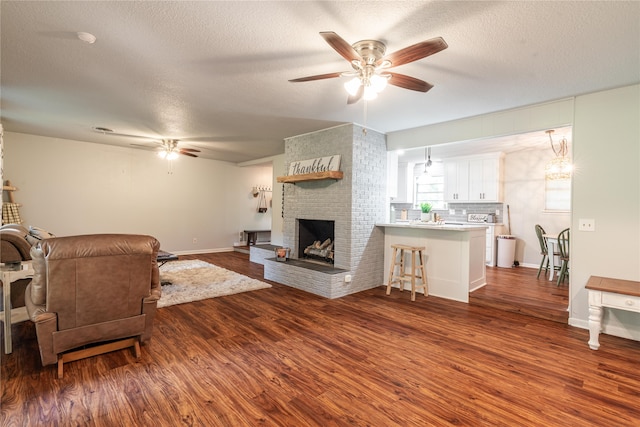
[{"x": 202, "y": 251}]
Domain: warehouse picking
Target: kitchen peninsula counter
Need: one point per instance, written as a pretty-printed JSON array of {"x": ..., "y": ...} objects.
[{"x": 455, "y": 255}]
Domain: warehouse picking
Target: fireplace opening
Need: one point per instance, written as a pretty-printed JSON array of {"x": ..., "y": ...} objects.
[{"x": 316, "y": 239}]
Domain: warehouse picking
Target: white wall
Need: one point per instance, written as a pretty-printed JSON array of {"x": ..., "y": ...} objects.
[
  {"x": 606, "y": 188},
  {"x": 524, "y": 184},
  {"x": 606, "y": 184},
  {"x": 503, "y": 123},
  {"x": 277, "y": 223},
  {"x": 70, "y": 187}
]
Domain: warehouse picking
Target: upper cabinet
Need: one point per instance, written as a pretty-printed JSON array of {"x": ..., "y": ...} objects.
[
  {"x": 456, "y": 180},
  {"x": 392, "y": 174},
  {"x": 474, "y": 179},
  {"x": 402, "y": 191}
]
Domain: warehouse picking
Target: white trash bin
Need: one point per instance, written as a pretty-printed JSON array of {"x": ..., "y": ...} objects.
[{"x": 506, "y": 250}]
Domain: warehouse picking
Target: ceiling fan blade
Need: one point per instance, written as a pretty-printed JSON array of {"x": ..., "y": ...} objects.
[
  {"x": 318, "y": 77},
  {"x": 340, "y": 45},
  {"x": 184, "y": 153},
  {"x": 355, "y": 98},
  {"x": 189, "y": 149},
  {"x": 408, "y": 82},
  {"x": 415, "y": 52}
]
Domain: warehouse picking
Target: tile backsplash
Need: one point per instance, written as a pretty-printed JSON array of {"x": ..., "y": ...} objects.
[{"x": 461, "y": 211}]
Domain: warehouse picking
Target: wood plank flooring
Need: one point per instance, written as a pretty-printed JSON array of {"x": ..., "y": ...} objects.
[
  {"x": 518, "y": 290},
  {"x": 283, "y": 357}
]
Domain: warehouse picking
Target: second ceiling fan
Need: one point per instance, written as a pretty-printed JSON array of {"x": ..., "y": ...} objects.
[
  {"x": 370, "y": 65},
  {"x": 170, "y": 150}
]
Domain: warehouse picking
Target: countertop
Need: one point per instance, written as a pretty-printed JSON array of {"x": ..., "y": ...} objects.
[{"x": 433, "y": 226}]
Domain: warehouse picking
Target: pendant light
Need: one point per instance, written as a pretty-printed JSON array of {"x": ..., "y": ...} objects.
[
  {"x": 560, "y": 167},
  {"x": 427, "y": 160}
]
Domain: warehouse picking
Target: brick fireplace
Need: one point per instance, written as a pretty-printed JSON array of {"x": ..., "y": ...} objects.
[{"x": 353, "y": 205}]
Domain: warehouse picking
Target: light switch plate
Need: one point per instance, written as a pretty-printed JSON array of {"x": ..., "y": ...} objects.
[
  {"x": 452, "y": 211},
  {"x": 586, "y": 224}
]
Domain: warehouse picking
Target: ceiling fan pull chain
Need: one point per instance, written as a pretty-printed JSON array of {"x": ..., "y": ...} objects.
[{"x": 364, "y": 128}]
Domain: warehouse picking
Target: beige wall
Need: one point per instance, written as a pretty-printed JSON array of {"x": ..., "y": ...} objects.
[{"x": 70, "y": 187}]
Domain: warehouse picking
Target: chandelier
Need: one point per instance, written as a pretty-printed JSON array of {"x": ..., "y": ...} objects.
[{"x": 560, "y": 167}]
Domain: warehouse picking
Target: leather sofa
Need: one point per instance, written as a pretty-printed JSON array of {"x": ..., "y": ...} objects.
[
  {"x": 15, "y": 248},
  {"x": 92, "y": 289}
]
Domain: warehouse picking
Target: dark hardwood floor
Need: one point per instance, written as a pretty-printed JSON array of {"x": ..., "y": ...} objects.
[{"x": 283, "y": 357}]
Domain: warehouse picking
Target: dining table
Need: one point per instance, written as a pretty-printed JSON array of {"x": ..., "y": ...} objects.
[{"x": 552, "y": 248}]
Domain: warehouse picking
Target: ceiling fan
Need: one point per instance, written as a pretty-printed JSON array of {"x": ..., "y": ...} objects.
[
  {"x": 170, "y": 150},
  {"x": 169, "y": 147},
  {"x": 370, "y": 65}
]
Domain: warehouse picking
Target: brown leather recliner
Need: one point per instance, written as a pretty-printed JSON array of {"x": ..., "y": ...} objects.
[{"x": 92, "y": 289}]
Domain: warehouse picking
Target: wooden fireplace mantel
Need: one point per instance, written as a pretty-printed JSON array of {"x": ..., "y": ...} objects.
[{"x": 316, "y": 176}]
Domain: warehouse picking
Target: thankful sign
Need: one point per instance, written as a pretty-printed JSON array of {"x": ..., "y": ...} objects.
[{"x": 321, "y": 164}]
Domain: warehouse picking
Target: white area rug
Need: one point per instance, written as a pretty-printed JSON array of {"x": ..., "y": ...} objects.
[{"x": 195, "y": 280}]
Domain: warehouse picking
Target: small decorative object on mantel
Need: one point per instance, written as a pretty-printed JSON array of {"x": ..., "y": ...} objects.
[{"x": 282, "y": 254}]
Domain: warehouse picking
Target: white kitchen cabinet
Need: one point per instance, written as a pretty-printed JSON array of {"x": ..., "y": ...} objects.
[
  {"x": 492, "y": 233},
  {"x": 485, "y": 181},
  {"x": 403, "y": 190},
  {"x": 474, "y": 179},
  {"x": 456, "y": 180},
  {"x": 392, "y": 174}
]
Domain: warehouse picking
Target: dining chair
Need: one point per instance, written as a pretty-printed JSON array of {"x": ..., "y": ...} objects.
[
  {"x": 563, "y": 247},
  {"x": 544, "y": 263}
]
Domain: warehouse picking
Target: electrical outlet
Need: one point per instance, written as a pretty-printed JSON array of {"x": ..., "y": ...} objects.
[
  {"x": 452, "y": 211},
  {"x": 464, "y": 211},
  {"x": 347, "y": 278},
  {"x": 586, "y": 224},
  {"x": 195, "y": 240},
  {"x": 497, "y": 211},
  {"x": 241, "y": 235}
]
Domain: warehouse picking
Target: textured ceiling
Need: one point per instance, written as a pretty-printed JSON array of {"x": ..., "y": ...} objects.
[{"x": 215, "y": 74}]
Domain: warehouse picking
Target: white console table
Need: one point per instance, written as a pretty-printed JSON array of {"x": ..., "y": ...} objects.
[
  {"x": 10, "y": 316},
  {"x": 610, "y": 293}
]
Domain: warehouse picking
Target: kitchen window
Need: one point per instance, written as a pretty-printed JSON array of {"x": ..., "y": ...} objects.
[
  {"x": 429, "y": 187},
  {"x": 557, "y": 195}
]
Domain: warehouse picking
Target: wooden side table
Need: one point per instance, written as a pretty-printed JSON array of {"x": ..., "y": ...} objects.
[
  {"x": 611, "y": 293},
  {"x": 10, "y": 316}
]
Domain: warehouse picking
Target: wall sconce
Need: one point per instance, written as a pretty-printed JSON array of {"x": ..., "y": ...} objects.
[{"x": 560, "y": 166}]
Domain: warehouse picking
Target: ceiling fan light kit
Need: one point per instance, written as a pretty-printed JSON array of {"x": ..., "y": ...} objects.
[
  {"x": 169, "y": 155},
  {"x": 170, "y": 150},
  {"x": 370, "y": 65}
]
